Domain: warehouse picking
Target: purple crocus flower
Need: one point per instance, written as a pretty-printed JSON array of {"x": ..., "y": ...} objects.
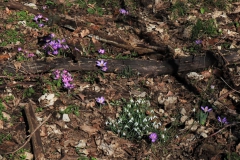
[
  {"x": 35, "y": 18},
  {"x": 198, "y": 41},
  {"x": 104, "y": 69},
  {"x": 206, "y": 109},
  {"x": 153, "y": 136},
  {"x": 100, "y": 100},
  {"x": 39, "y": 16},
  {"x": 123, "y": 11},
  {"x": 101, "y": 63},
  {"x": 40, "y": 25},
  {"x": 19, "y": 49},
  {"x": 101, "y": 51},
  {"x": 30, "y": 55},
  {"x": 223, "y": 121}
]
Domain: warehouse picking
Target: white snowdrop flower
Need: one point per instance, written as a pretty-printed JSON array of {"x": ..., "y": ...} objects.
[
  {"x": 131, "y": 120},
  {"x": 155, "y": 125},
  {"x": 151, "y": 117},
  {"x": 145, "y": 119},
  {"x": 159, "y": 123},
  {"x": 118, "y": 131},
  {"x": 137, "y": 111},
  {"x": 129, "y": 105},
  {"x": 110, "y": 123},
  {"x": 106, "y": 122},
  {"x": 119, "y": 120},
  {"x": 144, "y": 128},
  {"x": 131, "y": 100},
  {"x": 163, "y": 136},
  {"x": 194, "y": 110},
  {"x": 126, "y": 126},
  {"x": 124, "y": 134},
  {"x": 165, "y": 129},
  {"x": 136, "y": 124},
  {"x": 135, "y": 129},
  {"x": 129, "y": 114},
  {"x": 152, "y": 111},
  {"x": 176, "y": 136},
  {"x": 154, "y": 117},
  {"x": 147, "y": 126}
]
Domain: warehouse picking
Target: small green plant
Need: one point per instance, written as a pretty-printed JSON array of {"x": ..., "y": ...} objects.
[
  {"x": 133, "y": 123},
  {"x": 93, "y": 6},
  {"x": 28, "y": 92},
  {"x": 203, "y": 114},
  {"x": 202, "y": 28},
  {"x": 81, "y": 155},
  {"x": 90, "y": 77},
  {"x": 50, "y": 3},
  {"x": 2, "y": 108},
  {"x": 232, "y": 156},
  {"x": 8, "y": 98},
  {"x": 127, "y": 72},
  {"x": 10, "y": 36},
  {"x": 72, "y": 109},
  {"x": 179, "y": 9},
  {"x": 5, "y": 137}
]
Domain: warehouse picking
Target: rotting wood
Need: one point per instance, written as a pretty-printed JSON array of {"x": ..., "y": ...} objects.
[
  {"x": 36, "y": 139},
  {"x": 142, "y": 67}
]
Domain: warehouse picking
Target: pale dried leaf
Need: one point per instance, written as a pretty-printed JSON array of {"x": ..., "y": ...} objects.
[
  {"x": 89, "y": 129},
  {"x": 17, "y": 65},
  {"x": 84, "y": 33}
]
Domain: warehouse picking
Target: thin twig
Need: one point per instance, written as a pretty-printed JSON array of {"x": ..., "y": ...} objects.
[
  {"x": 229, "y": 85},
  {"x": 223, "y": 129},
  {"x": 30, "y": 136}
]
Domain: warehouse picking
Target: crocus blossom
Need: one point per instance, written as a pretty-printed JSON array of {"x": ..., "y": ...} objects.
[
  {"x": 153, "y": 137},
  {"x": 101, "y": 51},
  {"x": 100, "y": 100},
  {"x": 101, "y": 63},
  {"x": 123, "y": 11},
  {"x": 206, "y": 109},
  {"x": 223, "y": 121}
]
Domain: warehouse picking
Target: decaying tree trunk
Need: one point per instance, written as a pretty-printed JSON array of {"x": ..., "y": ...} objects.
[{"x": 143, "y": 67}]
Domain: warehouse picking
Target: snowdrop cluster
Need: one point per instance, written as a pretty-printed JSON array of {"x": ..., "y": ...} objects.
[
  {"x": 54, "y": 46},
  {"x": 65, "y": 77},
  {"x": 133, "y": 122}
]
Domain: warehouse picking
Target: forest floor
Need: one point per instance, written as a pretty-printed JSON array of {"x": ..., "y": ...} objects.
[{"x": 75, "y": 84}]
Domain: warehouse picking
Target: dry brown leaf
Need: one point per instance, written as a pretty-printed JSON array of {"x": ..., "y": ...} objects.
[
  {"x": 206, "y": 74},
  {"x": 81, "y": 96},
  {"x": 1, "y": 124},
  {"x": 89, "y": 129},
  {"x": 84, "y": 32},
  {"x": 4, "y": 57},
  {"x": 223, "y": 91},
  {"x": 238, "y": 148},
  {"x": 17, "y": 65},
  {"x": 8, "y": 11}
]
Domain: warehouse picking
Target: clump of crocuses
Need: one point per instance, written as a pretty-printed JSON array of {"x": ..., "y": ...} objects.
[
  {"x": 39, "y": 19},
  {"x": 65, "y": 77},
  {"x": 24, "y": 54},
  {"x": 102, "y": 65},
  {"x": 54, "y": 46}
]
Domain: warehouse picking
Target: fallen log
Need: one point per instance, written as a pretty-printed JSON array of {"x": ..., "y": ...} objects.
[{"x": 142, "y": 67}]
